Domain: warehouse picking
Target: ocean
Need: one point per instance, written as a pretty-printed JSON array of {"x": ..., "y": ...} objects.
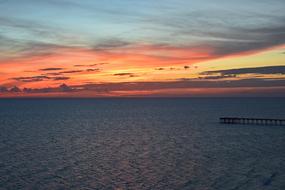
[{"x": 144, "y": 144}]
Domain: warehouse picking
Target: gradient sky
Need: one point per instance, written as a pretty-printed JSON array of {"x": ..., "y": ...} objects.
[{"x": 72, "y": 48}]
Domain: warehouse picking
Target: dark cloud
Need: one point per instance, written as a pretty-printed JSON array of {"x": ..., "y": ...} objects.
[
  {"x": 61, "y": 78},
  {"x": 256, "y": 87},
  {"x": 27, "y": 90},
  {"x": 40, "y": 90},
  {"x": 92, "y": 70},
  {"x": 72, "y": 71},
  {"x": 80, "y": 65},
  {"x": 60, "y": 88},
  {"x": 31, "y": 79},
  {"x": 51, "y": 69},
  {"x": 15, "y": 89},
  {"x": 254, "y": 84},
  {"x": 125, "y": 74},
  {"x": 91, "y": 65},
  {"x": 103, "y": 63},
  {"x": 3, "y": 89},
  {"x": 65, "y": 88},
  {"x": 217, "y": 77},
  {"x": 172, "y": 68},
  {"x": 122, "y": 74},
  {"x": 40, "y": 78},
  {"x": 184, "y": 83},
  {"x": 257, "y": 70}
]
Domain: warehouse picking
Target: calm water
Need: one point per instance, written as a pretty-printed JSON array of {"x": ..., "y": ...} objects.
[{"x": 140, "y": 144}]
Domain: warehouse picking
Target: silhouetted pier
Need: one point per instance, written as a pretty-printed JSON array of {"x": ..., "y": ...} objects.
[{"x": 252, "y": 121}]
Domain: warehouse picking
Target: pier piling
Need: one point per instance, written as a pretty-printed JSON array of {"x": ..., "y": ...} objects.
[{"x": 252, "y": 121}]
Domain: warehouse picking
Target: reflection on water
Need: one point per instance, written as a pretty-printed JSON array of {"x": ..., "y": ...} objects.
[{"x": 140, "y": 144}]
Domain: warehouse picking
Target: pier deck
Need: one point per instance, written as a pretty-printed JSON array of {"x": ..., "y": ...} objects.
[{"x": 252, "y": 121}]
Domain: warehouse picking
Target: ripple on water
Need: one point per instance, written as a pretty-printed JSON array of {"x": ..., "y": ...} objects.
[{"x": 161, "y": 144}]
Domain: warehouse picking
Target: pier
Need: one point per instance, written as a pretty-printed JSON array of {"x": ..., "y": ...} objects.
[{"x": 252, "y": 121}]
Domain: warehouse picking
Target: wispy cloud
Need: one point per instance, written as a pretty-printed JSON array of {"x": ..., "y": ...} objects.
[
  {"x": 99, "y": 41},
  {"x": 51, "y": 69},
  {"x": 61, "y": 78},
  {"x": 92, "y": 70},
  {"x": 125, "y": 74},
  {"x": 217, "y": 77},
  {"x": 257, "y": 70},
  {"x": 111, "y": 44},
  {"x": 40, "y": 78},
  {"x": 31, "y": 79},
  {"x": 71, "y": 71},
  {"x": 185, "y": 87}
]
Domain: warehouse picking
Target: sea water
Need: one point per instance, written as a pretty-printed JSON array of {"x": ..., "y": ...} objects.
[{"x": 159, "y": 144}]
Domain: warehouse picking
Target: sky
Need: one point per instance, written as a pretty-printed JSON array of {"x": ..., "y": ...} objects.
[{"x": 134, "y": 48}]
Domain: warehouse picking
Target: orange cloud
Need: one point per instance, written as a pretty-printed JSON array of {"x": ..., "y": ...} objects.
[
  {"x": 80, "y": 66},
  {"x": 141, "y": 57}
]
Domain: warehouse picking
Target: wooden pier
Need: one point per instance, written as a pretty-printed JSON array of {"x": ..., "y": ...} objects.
[{"x": 252, "y": 121}]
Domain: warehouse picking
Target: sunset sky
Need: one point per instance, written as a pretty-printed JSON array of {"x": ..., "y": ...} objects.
[{"x": 110, "y": 48}]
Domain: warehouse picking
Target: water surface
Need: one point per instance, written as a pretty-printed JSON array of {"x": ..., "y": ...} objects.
[{"x": 140, "y": 144}]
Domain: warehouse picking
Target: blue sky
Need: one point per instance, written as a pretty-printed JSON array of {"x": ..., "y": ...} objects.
[{"x": 167, "y": 21}]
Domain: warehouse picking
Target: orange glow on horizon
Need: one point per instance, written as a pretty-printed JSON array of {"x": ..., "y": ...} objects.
[{"x": 135, "y": 63}]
